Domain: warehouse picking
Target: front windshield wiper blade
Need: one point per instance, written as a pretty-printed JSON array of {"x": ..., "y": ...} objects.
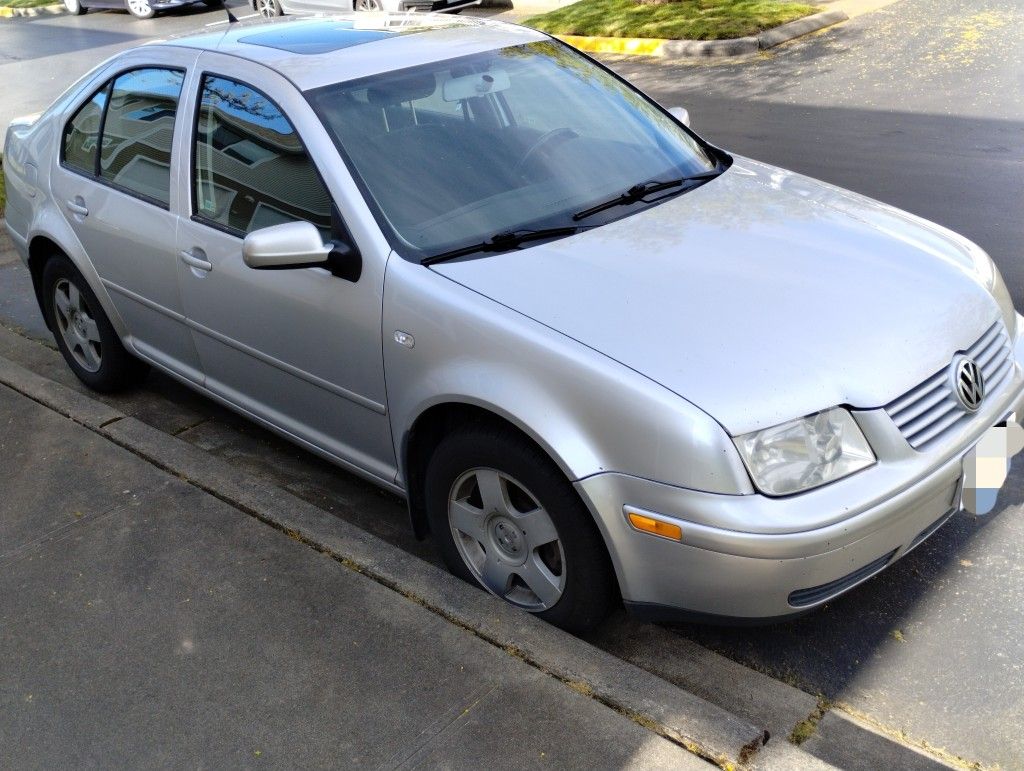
[
  {"x": 639, "y": 192},
  {"x": 502, "y": 242}
]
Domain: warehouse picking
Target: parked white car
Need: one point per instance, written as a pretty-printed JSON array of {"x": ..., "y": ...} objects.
[
  {"x": 599, "y": 356},
  {"x": 272, "y": 8}
]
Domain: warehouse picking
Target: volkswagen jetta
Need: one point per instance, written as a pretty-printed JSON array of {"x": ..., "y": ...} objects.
[{"x": 600, "y": 357}]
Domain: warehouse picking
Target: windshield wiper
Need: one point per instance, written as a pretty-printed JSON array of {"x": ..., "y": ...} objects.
[
  {"x": 502, "y": 242},
  {"x": 639, "y": 192}
]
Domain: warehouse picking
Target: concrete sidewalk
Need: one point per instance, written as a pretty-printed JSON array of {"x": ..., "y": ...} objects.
[{"x": 145, "y": 623}]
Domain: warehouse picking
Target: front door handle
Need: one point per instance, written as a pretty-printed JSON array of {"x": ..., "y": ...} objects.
[
  {"x": 196, "y": 258},
  {"x": 78, "y": 207}
]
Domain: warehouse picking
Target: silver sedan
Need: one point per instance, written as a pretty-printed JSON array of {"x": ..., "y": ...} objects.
[{"x": 602, "y": 358}]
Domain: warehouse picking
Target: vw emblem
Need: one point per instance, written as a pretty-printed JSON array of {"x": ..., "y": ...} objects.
[{"x": 969, "y": 384}]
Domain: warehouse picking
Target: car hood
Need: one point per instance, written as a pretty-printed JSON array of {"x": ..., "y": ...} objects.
[{"x": 759, "y": 297}]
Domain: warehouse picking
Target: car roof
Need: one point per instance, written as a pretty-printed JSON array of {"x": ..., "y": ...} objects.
[{"x": 320, "y": 50}]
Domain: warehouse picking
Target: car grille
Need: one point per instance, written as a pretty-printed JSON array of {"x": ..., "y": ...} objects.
[{"x": 925, "y": 413}]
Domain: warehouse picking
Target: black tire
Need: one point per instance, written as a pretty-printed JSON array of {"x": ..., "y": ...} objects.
[
  {"x": 590, "y": 589},
  {"x": 74, "y": 7},
  {"x": 117, "y": 368}
]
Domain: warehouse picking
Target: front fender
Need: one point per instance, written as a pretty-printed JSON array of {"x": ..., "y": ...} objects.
[{"x": 591, "y": 414}]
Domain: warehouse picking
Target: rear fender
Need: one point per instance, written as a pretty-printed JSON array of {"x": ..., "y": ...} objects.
[{"x": 49, "y": 225}]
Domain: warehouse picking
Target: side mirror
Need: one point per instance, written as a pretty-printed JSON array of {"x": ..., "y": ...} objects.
[
  {"x": 681, "y": 114},
  {"x": 299, "y": 245}
]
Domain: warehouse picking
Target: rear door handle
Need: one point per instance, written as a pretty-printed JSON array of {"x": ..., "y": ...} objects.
[
  {"x": 196, "y": 258},
  {"x": 78, "y": 207}
]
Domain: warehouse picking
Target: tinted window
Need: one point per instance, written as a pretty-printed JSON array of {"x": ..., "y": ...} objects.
[
  {"x": 139, "y": 130},
  {"x": 251, "y": 169},
  {"x": 81, "y": 134}
]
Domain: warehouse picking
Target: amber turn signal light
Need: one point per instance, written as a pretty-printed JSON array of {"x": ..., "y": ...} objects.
[{"x": 648, "y": 524}]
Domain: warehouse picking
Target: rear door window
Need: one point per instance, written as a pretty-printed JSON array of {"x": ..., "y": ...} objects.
[
  {"x": 138, "y": 132},
  {"x": 124, "y": 133}
]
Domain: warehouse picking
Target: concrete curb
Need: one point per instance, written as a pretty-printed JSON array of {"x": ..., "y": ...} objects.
[
  {"x": 785, "y": 32},
  {"x": 39, "y": 10},
  {"x": 706, "y": 49},
  {"x": 692, "y": 722}
]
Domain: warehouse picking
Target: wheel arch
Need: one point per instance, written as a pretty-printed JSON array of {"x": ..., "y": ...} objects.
[
  {"x": 436, "y": 421},
  {"x": 45, "y": 243}
]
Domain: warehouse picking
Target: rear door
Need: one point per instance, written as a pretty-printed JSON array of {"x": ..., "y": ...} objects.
[
  {"x": 113, "y": 179},
  {"x": 299, "y": 348}
]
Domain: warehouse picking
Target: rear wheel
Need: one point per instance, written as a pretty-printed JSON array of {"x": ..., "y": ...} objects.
[
  {"x": 84, "y": 334},
  {"x": 140, "y": 9},
  {"x": 369, "y": 5},
  {"x": 506, "y": 518},
  {"x": 74, "y": 7}
]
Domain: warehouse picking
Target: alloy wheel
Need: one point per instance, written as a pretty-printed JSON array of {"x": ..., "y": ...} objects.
[
  {"x": 368, "y": 5},
  {"x": 77, "y": 325},
  {"x": 267, "y": 8},
  {"x": 507, "y": 539},
  {"x": 140, "y": 8}
]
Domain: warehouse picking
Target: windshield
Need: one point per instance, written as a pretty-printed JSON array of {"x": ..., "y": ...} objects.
[{"x": 521, "y": 138}]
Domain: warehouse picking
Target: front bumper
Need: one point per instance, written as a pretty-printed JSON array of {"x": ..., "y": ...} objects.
[{"x": 750, "y": 557}]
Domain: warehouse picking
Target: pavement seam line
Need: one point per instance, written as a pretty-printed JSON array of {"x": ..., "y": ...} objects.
[
  {"x": 59, "y": 533},
  {"x": 807, "y": 727},
  {"x": 408, "y": 760},
  {"x": 745, "y": 755},
  {"x": 178, "y": 432}
]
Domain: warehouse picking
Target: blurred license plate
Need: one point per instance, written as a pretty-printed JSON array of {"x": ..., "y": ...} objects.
[{"x": 987, "y": 464}]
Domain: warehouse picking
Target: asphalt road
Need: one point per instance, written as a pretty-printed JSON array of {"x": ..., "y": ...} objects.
[{"x": 917, "y": 105}]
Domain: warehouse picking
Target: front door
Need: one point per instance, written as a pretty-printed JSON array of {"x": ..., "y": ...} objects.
[{"x": 299, "y": 348}]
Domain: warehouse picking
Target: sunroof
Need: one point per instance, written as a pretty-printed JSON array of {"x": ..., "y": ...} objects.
[{"x": 316, "y": 38}]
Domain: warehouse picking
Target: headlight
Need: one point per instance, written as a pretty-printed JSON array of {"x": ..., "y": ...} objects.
[
  {"x": 1002, "y": 297},
  {"x": 805, "y": 453}
]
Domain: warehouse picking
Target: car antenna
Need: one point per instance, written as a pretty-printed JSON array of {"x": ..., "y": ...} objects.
[{"x": 231, "y": 16}]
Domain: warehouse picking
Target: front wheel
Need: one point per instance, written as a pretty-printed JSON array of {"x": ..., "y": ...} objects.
[
  {"x": 369, "y": 5},
  {"x": 140, "y": 9},
  {"x": 74, "y": 7},
  {"x": 506, "y": 518}
]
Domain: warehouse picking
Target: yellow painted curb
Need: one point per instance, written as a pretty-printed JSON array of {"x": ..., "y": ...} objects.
[
  {"x": 6, "y": 13},
  {"x": 645, "y": 46}
]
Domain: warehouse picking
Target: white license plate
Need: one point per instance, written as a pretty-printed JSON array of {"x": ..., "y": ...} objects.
[{"x": 987, "y": 464}]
